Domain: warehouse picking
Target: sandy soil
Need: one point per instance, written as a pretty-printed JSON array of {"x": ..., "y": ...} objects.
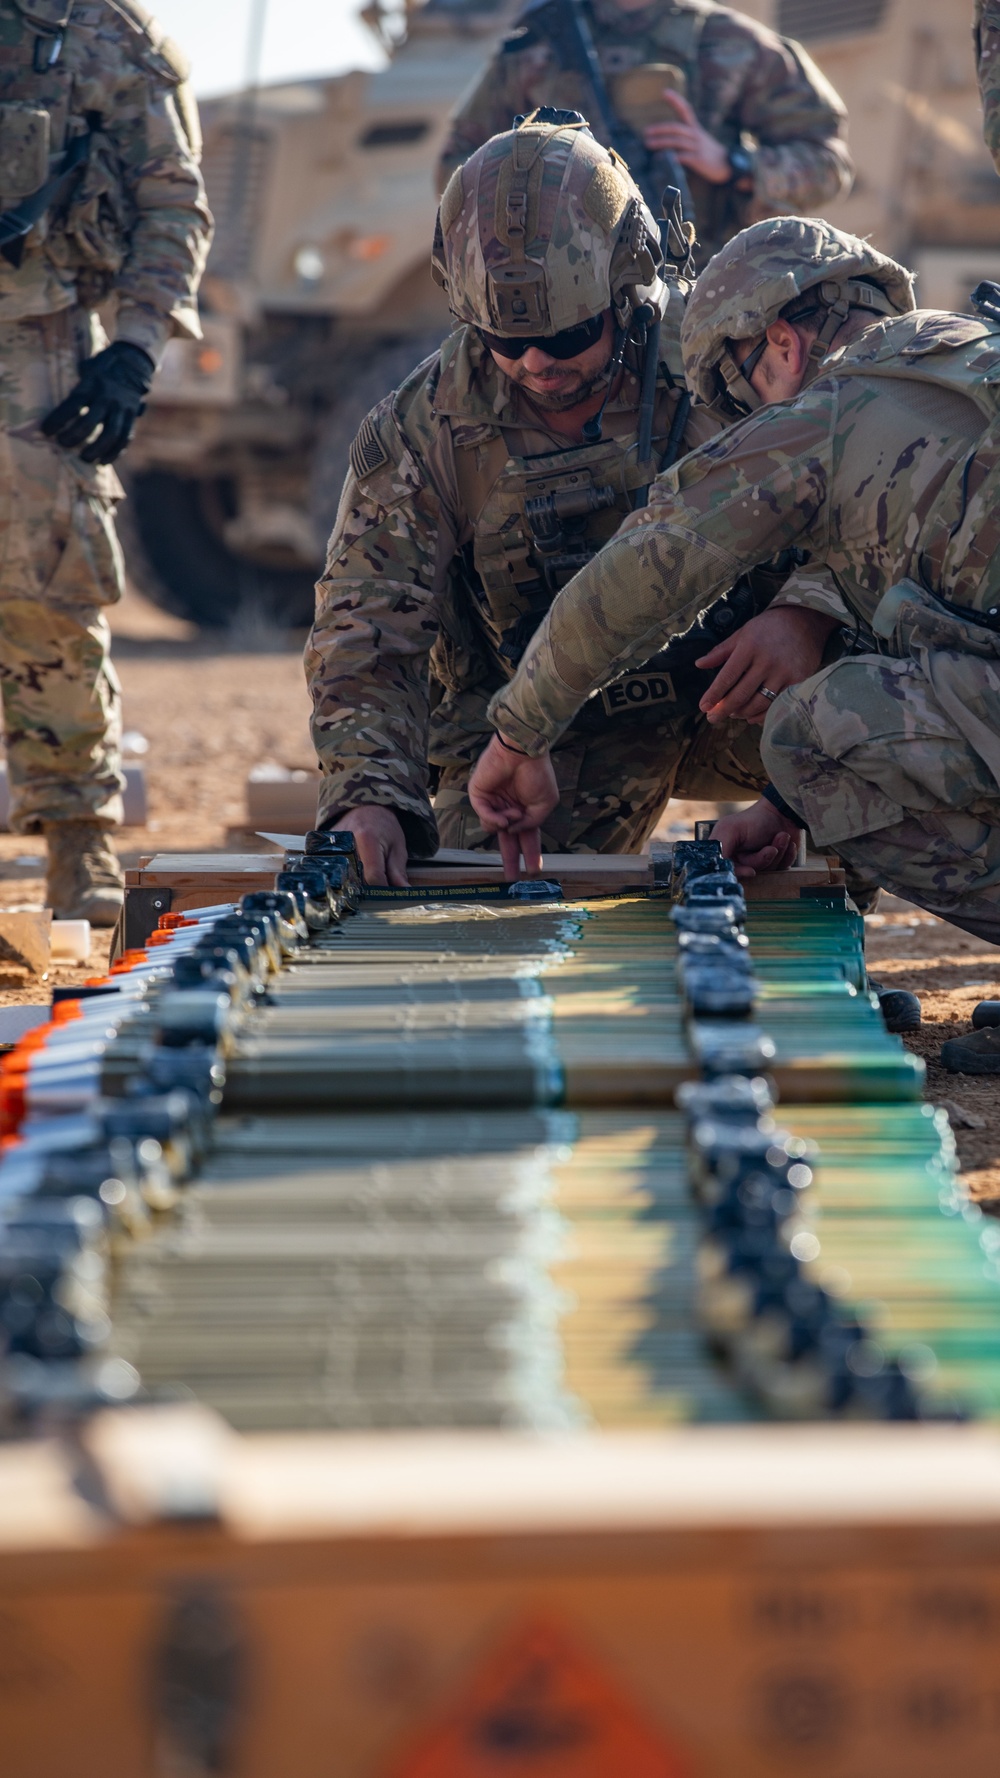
[
  {"x": 951, "y": 972},
  {"x": 211, "y": 708}
]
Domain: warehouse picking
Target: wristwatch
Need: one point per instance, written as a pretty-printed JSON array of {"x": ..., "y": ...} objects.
[{"x": 742, "y": 163}]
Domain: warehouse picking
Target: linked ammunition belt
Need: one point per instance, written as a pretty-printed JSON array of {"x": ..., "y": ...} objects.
[{"x": 331, "y": 1161}]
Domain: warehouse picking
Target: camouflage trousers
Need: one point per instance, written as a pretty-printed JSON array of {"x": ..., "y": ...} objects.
[
  {"x": 875, "y": 755},
  {"x": 60, "y": 563},
  {"x": 615, "y": 775}
]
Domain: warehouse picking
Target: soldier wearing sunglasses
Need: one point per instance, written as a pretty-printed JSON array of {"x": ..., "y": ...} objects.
[{"x": 479, "y": 488}]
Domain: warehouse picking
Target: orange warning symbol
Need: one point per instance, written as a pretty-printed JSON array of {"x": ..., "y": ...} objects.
[{"x": 541, "y": 1707}]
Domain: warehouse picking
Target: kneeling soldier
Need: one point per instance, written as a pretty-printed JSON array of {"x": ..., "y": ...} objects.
[
  {"x": 871, "y": 438},
  {"x": 484, "y": 483}
]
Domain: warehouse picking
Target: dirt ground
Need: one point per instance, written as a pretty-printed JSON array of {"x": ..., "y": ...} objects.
[
  {"x": 951, "y": 972},
  {"x": 209, "y": 709}
]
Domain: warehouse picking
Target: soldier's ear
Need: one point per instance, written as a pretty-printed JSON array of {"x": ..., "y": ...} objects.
[{"x": 784, "y": 365}]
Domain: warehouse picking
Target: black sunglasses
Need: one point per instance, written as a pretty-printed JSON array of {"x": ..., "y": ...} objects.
[{"x": 567, "y": 344}]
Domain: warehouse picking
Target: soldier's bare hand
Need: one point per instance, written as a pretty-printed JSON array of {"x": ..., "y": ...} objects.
[
  {"x": 381, "y": 845},
  {"x": 694, "y": 146},
  {"x": 780, "y": 647},
  {"x": 759, "y": 839},
  {"x": 512, "y": 795}
]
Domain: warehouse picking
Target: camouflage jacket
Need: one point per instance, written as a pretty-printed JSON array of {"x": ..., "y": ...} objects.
[
  {"x": 748, "y": 87},
  {"x": 986, "y": 35},
  {"x": 428, "y": 574},
  {"x": 876, "y": 495},
  {"x": 134, "y": 219}
]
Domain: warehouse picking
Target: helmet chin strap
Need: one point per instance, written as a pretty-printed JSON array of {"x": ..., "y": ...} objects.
[
  {"x": 838, "y": 299},
  {"x": 592, "y": 427}
]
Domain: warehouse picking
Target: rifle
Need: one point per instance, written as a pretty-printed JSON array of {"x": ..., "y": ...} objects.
[{"x": 567, "y": 25}]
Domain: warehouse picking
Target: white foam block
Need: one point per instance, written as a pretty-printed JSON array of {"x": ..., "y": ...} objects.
[{"x": 70, "y": 941}]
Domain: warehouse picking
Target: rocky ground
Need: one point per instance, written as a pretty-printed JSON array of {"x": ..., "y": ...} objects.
[{"x": 210, "y": 709}]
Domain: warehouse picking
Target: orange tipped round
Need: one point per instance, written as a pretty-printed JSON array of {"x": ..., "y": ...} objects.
[{"x": 65, "y": 1011}]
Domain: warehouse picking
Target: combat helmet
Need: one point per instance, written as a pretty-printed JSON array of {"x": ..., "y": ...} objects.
[
  {"x": 757, "y": 274},
  {"x": 542, "y": 229}
]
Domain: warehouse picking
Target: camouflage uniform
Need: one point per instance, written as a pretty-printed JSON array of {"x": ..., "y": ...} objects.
[
  {"x": 750, "y": 89},
  {"x": 134, "y": 223},
  {"x": 986, "y": 35},
  {"x": 890, "y": 756},
  {"x": 435, "y": 581}
]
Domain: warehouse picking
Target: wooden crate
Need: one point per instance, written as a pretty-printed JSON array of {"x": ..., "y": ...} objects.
[
  {"x": 708, "y": 1603},
  {"x": 177, "y": 882}
]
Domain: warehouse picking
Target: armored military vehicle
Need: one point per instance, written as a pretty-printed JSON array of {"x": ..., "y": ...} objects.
[
  {"x": 926, "y": 189},
  {"x": 317, "y": 300}
]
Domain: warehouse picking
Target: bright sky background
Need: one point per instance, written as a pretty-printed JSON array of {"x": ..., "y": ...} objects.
[{"x": 300, "y": 37}]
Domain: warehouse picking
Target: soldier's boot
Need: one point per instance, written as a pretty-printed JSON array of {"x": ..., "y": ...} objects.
[
  {"x": 899, "y": 1008},
  {"x": 85, "y": 880},
  {"x": 976, "y": 1051}
]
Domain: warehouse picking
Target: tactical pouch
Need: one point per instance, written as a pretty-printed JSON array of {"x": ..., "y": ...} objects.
[
  {"x": 98, "y": 219},
  {"x": 25, "y": 133},
  {"x": 909, "y": 618}
]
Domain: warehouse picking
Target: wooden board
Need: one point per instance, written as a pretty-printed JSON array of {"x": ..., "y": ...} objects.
[
  {"x": 213, "y": 875},
  {"x": 722, "y": 1602},
  {"x": 181, "y": 882},
  {"x": 199, "y": 880},
  {"x": 579, "y": 873}
]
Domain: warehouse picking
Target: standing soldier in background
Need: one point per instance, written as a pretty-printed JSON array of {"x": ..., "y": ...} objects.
[
  {"x": 986, "y": 34},
  {"x": 477, "y": 489},
  {"x": 101, "y": 197},
  {"x": 712, "y": 102}
]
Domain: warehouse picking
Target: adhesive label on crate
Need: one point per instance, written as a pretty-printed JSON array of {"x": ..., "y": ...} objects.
[{"x": 541, "y": 1704}]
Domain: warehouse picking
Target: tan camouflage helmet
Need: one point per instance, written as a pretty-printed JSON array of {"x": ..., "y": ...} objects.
[
  {"x": 757, "y": 274},
  {"x": 542, "y": 229}
]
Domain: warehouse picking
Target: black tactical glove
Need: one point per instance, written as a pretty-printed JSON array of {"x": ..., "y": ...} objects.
[{"x": 109, "y": 395}]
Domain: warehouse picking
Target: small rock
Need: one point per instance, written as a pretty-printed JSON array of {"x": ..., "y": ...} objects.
[{"x": 960, "y": 1117}]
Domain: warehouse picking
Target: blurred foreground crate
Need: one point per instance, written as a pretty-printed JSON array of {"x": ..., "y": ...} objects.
[
  {"x": 708, "y": 1603},
  {"x": 494, "y": 1324}
]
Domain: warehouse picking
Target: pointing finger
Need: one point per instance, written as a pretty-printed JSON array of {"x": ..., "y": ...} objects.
[
  {"x": 510, "y": 852},
  {"x": 531, "y": 850}
]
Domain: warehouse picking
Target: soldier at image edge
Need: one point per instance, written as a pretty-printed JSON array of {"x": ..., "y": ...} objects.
[
  {"x": 692, "y": 94},
  {"x": 889, "y": 756},
  {"x": 480, "y": 486},
  {"x": 986, "y": 37},
  {"x": 102, "y": 203}
]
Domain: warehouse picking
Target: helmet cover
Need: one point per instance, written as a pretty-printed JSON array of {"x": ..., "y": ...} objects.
[
  {"x": 744, "y": 288},
  {"x": 541, "y": 229}
]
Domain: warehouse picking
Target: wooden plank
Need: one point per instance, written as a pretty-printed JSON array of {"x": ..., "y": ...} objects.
[
  {"x": 626, "y": 865},
  {"x": 784, "y": 885},
  {"x": 187, "y": 899},
  {"x": 170, "y": 864},
  {"x": 199, "y": 879}
]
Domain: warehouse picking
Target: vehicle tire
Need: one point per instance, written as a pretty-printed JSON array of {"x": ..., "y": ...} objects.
[
  {"x": 389, "y": 366},
  {"x": 197, "y": 576}
]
